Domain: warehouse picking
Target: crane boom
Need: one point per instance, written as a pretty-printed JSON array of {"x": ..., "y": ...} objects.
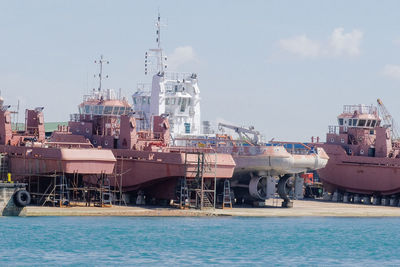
[
  {"x": 255, "y": 140},
  {"x": 388, "y": 119}
]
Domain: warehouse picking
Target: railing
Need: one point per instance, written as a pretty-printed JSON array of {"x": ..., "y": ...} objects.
[
  {"x": 177, "y": 75},
  {"x": 143, "y": 87},
  {"x": 362, "y": 109},
  {"x": 333, "y": 129}
]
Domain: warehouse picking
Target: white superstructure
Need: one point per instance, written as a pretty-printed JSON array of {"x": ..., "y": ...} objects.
[{"x": 176, "y": 95}]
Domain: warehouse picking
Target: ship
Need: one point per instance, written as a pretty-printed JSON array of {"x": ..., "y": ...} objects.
[
  {"x": 258, "y": 165},
  {"x": 102, "y": 147},
  {"x": 364, "y": 154}
]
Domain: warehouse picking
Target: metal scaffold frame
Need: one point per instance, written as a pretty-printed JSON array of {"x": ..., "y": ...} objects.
[
  {"x": 61, "y": 189},
  {"x": 195, "y": 192}
]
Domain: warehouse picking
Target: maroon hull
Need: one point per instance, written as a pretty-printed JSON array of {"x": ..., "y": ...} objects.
[{"x": 358, "y": 174}]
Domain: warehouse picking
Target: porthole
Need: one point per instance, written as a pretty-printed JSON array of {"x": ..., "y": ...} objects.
[
  {"x": 342, "y": 140},
  {"x": 332, "y": 140},
  {"x": 361, "y": 152},
  {"x": 106, "y": 143},
  {"x": 87, "y": 130},
  {"x": 94, "y": 142}
]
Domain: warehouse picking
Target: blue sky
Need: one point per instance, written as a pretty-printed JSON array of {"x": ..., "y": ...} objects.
[{"x": 286, "y": 67}]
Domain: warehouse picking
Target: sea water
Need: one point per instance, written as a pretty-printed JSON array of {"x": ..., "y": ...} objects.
[{"x": 231, "y": 241}]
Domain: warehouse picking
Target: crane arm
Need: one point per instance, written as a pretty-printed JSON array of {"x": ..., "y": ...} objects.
[
  {"x": 243, "y": 131},
  {"x": 388, "y": 119}
]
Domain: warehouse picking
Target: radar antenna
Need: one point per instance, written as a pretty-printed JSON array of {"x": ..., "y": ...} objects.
[
  {"x": 388, "y": 120},
  {"x": 100, "y": 75},
  {"x": 156, "y": 53}
]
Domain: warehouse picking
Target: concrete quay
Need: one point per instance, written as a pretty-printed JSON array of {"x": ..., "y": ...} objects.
[{"x": 301, "y": 208}]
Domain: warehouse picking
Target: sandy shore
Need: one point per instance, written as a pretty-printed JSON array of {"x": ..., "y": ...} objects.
[{"x": 300, "y": 208}]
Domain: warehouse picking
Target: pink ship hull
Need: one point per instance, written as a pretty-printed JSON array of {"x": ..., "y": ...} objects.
[
  {"x": 360, "y": 174},
  {"x": 36, "y": 160},
  {"x": 158, "y": 172}
]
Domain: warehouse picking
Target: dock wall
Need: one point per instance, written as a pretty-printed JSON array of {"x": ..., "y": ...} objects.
[{"x": 7, "y": 205}]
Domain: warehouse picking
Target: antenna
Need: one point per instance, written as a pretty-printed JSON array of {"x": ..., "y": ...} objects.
[
  {"x": 156, "y": 52},
  {"x": 100, "y": 75}
]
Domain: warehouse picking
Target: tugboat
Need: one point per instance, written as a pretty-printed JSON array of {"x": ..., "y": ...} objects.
[
  {"x": 258, "y": 166},
  {"x": 364, "y": 152}
]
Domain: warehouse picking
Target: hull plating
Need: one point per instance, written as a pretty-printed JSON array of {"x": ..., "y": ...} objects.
[{"x": 359, "y": 174}]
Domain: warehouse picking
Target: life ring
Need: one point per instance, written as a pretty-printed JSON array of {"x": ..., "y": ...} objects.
[{"x": 22, "y": 198}]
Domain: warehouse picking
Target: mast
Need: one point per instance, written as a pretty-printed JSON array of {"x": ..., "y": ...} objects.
[
  {"x": 156, "y": 52},
  {"x": 100, "y": 75}
]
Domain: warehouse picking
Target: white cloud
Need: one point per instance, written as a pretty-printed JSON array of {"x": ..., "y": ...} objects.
[
  {"x": 345, "y": 43},
  {"x": 392, "y": 71},
  {"x": 180, "y": 56},
  {"x": 301, "y": 46},
  {"x": 338, "y": 44}
]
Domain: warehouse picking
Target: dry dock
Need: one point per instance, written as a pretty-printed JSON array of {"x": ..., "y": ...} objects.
[{"x": 301, "y": 208}]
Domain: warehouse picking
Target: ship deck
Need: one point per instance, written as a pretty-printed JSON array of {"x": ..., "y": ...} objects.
[{"x": 301, "y": 208}]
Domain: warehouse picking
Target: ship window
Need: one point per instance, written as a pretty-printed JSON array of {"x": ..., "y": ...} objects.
[
  {"x": 342, "y": 140},
  {"x": 173, "y": 100},
  {"x": 121, "y": 110},
  {"x": 189, "y": 101},
  {"x": 361, "y": 123},
  {"x": 101, "y": 110},
  {"x": 340, "y": 121},
  {"x": 143, "y": 99},
  {"x": 378, "y": 123},
  {"x": 176, "y": 88},
  {"x": 87, "y": 109},
  {"x": 134, "y": 100},
  {"x": 108, "y": 110},
  {"x": 183, "y": 105},
  {"x": 179, "y": 101},
  {"x": 187, "y": 127},
  {"x": 80, "y": 110},
  {"x": 368, "y": 123},
  {"x": 167, "y": 101},
  {"x": 350, "y": 122},
  {"x": 354, "y": 122},
  {"x": 115, "y": 112},
  {"x": 96, "y": 110},
  {"x": 373, "y": 123},
  {"x": 148, "y": 100}
]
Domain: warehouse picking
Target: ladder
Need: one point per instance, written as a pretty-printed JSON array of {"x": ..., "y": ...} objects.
[
  {"x": 104, "y": 189},
  {"x": 183, "y": 194},
  {"x": 227, "y": 200},
  {"x": 61, "y": 191}
]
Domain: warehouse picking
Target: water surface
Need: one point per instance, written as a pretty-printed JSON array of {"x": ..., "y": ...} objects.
[{"x": 168, "y": 241}]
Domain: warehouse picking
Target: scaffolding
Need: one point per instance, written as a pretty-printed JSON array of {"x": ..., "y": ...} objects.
[
  {"x": 4, "y": 166},
  {"x": 63, "y": 190},
  {"x": 196, "y": 191}
]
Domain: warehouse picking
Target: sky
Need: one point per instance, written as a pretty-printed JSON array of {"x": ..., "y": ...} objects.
[{"x": 284, "y": 67}]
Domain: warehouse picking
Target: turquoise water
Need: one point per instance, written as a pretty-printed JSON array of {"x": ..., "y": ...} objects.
[{"x": 161, "y": 241}]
